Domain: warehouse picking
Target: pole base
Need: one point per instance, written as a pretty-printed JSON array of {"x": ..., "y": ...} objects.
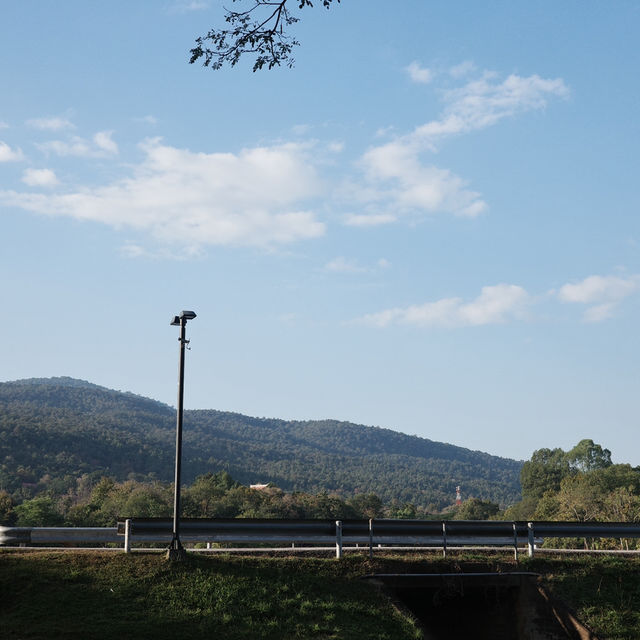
[
  {"x": 176, "y": 555},
  {"x": 176, "y": 552}
]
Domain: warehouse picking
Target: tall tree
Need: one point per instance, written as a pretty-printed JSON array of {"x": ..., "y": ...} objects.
[
  {"x": 543, "y": 472},
  {"x": 588, "y": 456}
]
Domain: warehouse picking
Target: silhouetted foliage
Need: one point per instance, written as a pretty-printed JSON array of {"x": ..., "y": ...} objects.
[{"x": 261, "y": 29}]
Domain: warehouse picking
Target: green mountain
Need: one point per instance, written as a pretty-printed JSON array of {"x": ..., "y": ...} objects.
[{"x": 54, "y": 430}]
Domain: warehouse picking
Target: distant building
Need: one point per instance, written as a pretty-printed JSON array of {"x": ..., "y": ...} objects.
[{"x": 259, "y": 487}]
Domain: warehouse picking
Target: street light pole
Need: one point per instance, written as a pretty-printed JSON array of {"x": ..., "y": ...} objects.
[{"x": 176, "y": 551}]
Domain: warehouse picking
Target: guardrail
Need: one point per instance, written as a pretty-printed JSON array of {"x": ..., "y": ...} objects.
[
  {"x": 25, "y": 536},
  {"x": 339, "y": 532},
  {"x": 370, "y": 533}
]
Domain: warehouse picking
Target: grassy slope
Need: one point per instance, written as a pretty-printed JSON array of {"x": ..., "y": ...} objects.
[
  {"x": 604, "y": 591},
  {"x": 106, "y": 595},
  {"x": 96, "y": 596}
]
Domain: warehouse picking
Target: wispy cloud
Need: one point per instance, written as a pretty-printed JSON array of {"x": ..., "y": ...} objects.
[
  {"x": 495, "y": 305},
  {"x": 193, "y": 200},
  {"x": 148, "y": 119},
  {"x": 104, "y": 141},
  {"x": 418, "y": 73},
  {"x": 350, "y": 265},
  {"x": 185, "y": 6},
  {"x": 40, "y": 178},
  {"x": 100, "y": 146},
  {"x": 462, "y": 69},
  {"x": 53, "y": 123},
  {"x": 7, "y": 154},
  {"x": 484, "y": 102},
  {"x": 368, "y": 219},
  {"x": 398, "y": 182},
  {"x": 344, "y": 265},
  {"x": 601, "y": 293}
]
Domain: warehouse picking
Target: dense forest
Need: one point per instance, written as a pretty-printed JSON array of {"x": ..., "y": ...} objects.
[
  {"x": 56, "y": 431},
  {"x": 582, "y": 485},
  {"x": 73, "y": 453}
]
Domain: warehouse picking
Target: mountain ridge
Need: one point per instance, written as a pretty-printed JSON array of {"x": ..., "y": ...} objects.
[{"x": 62, "y": 427}]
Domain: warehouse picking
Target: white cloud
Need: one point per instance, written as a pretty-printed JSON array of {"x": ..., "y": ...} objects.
[
  {"x": 101, "y": 146},
  {"x": 419, "y": 74},
  {"x": 462, "y": 69},
  {"x": 4, "y": 125},
  {"x": 131, "y": 250},
  {"x": 148, "y": 119},
  {"x": 598, "y": 289},
  {"x": 184, "y": 6},
  {"x": 104, "y": 141},
  {"x": 39, "y": 178},
  {"x": 484, "y": 102},
  {"x": 599, "y": 313},
  {"x": 368, "y": 220},
  {"x": 344, "y": 265},
  {"x": 301, "y": 129},
  {"x": 197, "y": 199},
  {"x": 349, "y": 265},
  {"x": 397, "y": 182},
  {"x": 7, "y": 154},
  {"x": 495, "y": 305},
  {"x": 50, "y": 124},
  {"x": 602, "y": 292},
  {"x": 75, "y": 147}
]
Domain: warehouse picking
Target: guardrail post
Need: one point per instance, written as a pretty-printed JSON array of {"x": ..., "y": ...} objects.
[
  {"x": 515, "y": 542},
  {"x": 370, "y": 538},
  {"x": 530, "y": 542},
  {"x": 444, "y": 539},
  {"x": 127, "y": 536},
  {"x": 338, "y": 539}
]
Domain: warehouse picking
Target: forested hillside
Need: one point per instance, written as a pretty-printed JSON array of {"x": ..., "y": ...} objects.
[{"x": 54, "y": 430}]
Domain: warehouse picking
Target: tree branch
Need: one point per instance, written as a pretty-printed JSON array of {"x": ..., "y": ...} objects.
[{"x": 267, "y": 36}]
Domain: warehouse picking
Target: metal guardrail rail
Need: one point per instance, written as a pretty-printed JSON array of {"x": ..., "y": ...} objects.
[
  {"x": 370, "y": 533},
  {"x": 58, "y": 535}
]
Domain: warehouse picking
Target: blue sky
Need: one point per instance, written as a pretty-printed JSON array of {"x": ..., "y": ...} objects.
[{"x": 429, "y": 224}]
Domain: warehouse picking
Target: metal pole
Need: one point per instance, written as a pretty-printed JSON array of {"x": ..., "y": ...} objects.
[
  {"x": 176, "y": 551},
  {"x": 531, "y": 540},
  {"x": 127, "y": 536}
]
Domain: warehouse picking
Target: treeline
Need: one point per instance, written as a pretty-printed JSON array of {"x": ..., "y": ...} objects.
[
  {"x": 100, "y": 503},
  {"x": 54, "y": 431},
  {"x": 579, "y": 485}
]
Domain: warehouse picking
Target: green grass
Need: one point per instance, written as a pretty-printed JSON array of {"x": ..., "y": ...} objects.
[
  {"x": 73, "y": 595},
  {"x": 109, "y": 595},
  {"x": 604, "y": 591}
]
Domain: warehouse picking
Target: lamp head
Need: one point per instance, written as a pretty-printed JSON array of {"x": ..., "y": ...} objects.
[{"x": 183, "y": 317}]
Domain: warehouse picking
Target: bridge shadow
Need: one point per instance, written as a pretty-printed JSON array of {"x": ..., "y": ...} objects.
[{"x": 509, "y": 606}]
